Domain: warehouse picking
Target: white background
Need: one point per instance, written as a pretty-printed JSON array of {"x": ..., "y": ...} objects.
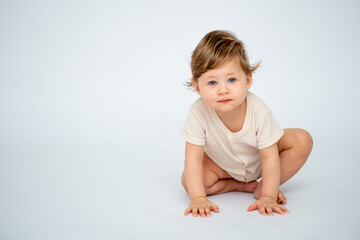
[{"x": 92, "y": 103}]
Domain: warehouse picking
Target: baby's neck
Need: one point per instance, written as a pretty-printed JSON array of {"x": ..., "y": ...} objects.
[{"x": 234, "y": 120}]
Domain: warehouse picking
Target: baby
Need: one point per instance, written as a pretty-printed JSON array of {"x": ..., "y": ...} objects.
[{"x": 232, "y": 138}]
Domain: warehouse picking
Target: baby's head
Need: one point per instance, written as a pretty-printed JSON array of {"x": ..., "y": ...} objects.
[{"x": 215, "y": 49}]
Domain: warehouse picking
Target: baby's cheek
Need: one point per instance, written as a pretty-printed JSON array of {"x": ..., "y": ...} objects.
[{"x": 208, "y": 101}]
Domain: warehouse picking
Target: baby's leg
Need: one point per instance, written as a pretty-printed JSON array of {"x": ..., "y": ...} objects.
[
  {"x": 217, "y": 180},
  {"x": 294, "y": 149}
]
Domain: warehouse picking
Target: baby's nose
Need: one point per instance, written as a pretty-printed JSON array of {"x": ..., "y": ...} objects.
[{"x": 223, "y": 90}]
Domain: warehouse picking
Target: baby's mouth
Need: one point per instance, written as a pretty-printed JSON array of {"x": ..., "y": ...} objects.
[{"x": 225, "y": 100}]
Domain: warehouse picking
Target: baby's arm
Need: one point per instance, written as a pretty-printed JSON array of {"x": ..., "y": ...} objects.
[
  {"x": 194, "y": 182},
  {"x": 270, "y": 183}
]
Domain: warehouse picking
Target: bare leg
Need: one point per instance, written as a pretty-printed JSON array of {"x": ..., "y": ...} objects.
[
  {"x": 217, "y": 180},
  {"x": 294, "y": 149},
  {"x": 230, "y": 185}
]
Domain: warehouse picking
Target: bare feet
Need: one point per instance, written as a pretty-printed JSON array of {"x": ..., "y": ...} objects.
[
  {"x": 280, "y": 200},
  {"x": 247, "y": 187}
]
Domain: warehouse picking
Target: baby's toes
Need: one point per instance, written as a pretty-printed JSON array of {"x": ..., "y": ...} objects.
[
  {"x": 253, "y": 185},
  {"x": 281, "y": 198}
]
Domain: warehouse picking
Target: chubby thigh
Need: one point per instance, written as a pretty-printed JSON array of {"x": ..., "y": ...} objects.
[{"x": 212, "y": 172}]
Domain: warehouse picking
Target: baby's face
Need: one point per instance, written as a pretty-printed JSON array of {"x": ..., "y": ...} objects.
[{"x": 224, "y": 89}]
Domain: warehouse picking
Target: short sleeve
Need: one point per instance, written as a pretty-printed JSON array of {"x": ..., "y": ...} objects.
[
  {"x": 268, "y": 131},
  {"x": 194, "y": 129}
]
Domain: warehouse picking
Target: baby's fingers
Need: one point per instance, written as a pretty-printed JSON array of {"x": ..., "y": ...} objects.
[
  {"x": 280, "y": 210},
  {"x": 253, "y": 207},
  {"x": 283, "y": 210},
  {"x": 214, "y": 208},
  {"x": 202, "y": 212},
  {"x": 187, "y": 211},
  {"x": 195, "y": 211},
  {"x": 269, "y": 211},
  {"x": 192, "y": 209},
  {"x": 262, "y": 210},
  {"x": 207, "y": 212}
]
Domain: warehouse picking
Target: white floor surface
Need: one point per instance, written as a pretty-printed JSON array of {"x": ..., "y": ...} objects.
[{"x": 96, "y": 195}]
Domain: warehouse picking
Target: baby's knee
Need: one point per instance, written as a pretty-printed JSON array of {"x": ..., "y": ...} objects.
[
  {"x": 304, "y": 141},
  {"x": 183, "y": 181},
  {"x": 209, "y": 177}
]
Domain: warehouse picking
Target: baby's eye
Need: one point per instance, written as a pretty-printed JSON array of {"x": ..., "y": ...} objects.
[
  {"x": 231, "y": 80},
  {"x": 212, "y": 83}
]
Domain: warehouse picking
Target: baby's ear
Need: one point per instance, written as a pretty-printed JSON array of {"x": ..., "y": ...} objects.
[
  {"x": 248, "y": 81},
  {"x": 195, "y": 85}
]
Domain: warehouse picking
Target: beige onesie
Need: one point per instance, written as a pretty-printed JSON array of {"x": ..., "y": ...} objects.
[{"x": 237, "y": 153}]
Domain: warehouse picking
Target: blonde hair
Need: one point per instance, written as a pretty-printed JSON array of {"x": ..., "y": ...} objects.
[{"x": 215, "y": 49}]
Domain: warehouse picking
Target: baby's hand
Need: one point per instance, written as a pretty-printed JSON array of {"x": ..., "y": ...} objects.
[
  {"x": 268, "y": 205},
  {"x": 202, "y": 206}
]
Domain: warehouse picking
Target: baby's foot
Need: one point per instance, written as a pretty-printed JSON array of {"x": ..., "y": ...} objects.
[
  {"x": 247, "y": 187},
  {"x": 281, "y": 199}
]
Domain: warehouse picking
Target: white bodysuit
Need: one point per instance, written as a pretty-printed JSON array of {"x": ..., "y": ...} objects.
[{"x": 237, "y": 153}]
